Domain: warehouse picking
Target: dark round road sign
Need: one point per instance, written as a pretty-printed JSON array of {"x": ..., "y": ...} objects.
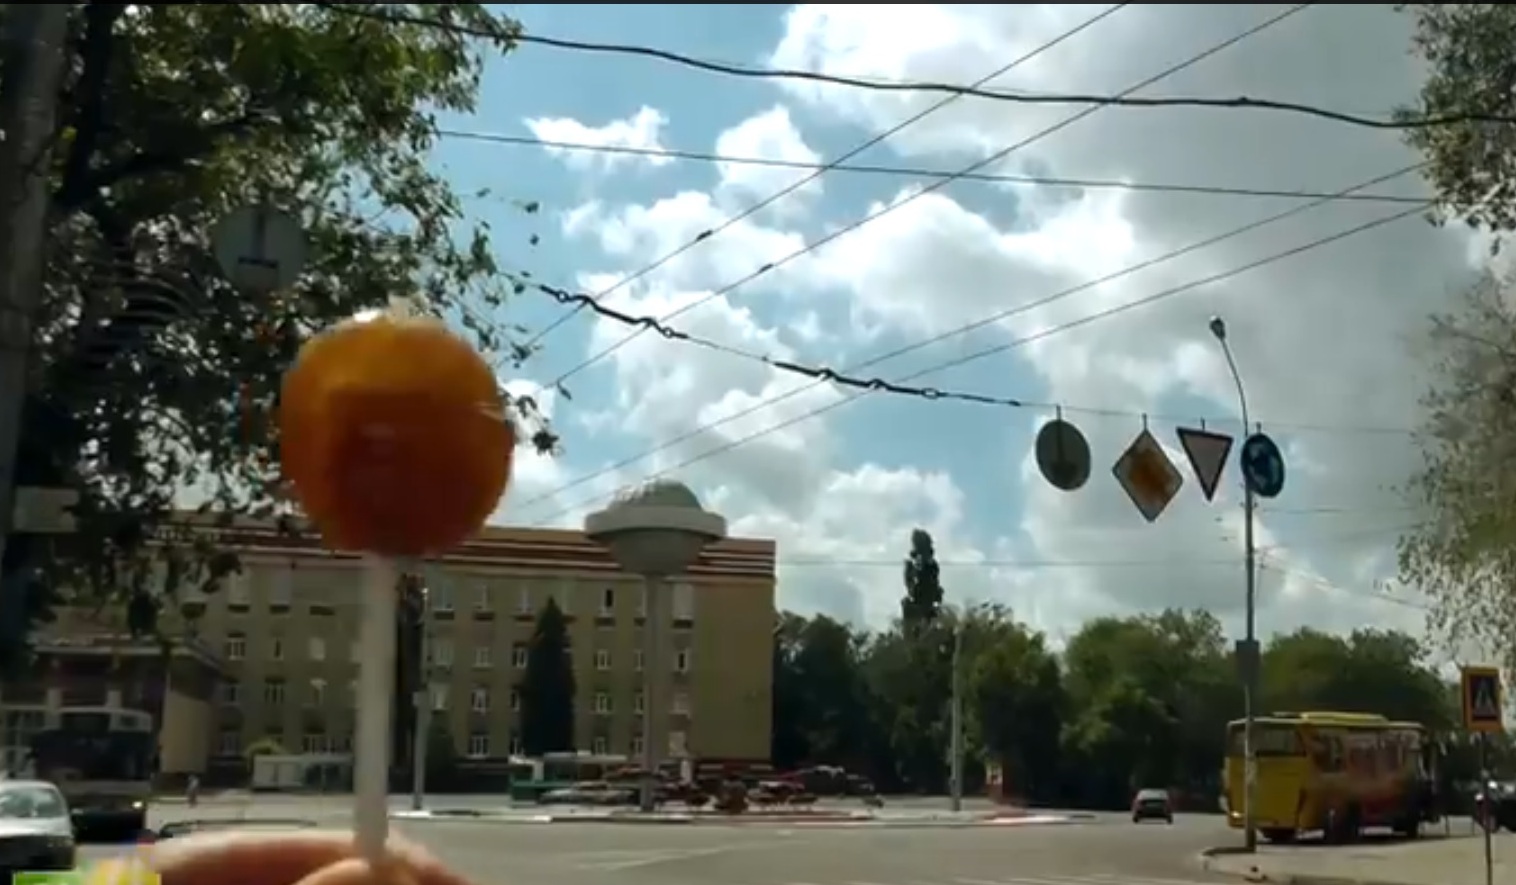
[
  {"x": 1063, "y": 455},
  {"x": 1262, "y": 466}
]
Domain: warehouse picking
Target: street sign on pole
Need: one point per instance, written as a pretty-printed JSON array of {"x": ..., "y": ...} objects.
[
  {"x": 1148, "y": 476},
  {"x": 1262, "y": 465},
  {"x": 44, "y": 511},
  {"x": 1063, "y": 455},
  {"x": 1207, "y": 452},
  {"x": 1480, "y": 690},
  {"x": 260, "y": 249}
]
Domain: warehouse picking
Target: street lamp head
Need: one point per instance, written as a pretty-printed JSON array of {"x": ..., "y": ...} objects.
[
  {"x": 655, "y": 529},
  {"x": 1218, "y": 328}
]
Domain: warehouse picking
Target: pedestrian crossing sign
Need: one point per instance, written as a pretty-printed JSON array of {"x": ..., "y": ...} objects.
[{"x": 1482, "y": 702}]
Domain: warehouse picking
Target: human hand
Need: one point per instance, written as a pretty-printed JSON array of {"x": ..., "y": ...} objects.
[{"x": 303, "y": 857}]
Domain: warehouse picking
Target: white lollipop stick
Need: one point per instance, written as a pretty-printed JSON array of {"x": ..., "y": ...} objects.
[{"x": 376, "y": 683}]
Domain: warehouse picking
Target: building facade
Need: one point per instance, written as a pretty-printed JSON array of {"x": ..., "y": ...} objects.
[{"x": 286, "y": 633}]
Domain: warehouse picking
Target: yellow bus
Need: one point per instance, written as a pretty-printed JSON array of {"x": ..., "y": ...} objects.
[{"x": 1333, "y": 773}]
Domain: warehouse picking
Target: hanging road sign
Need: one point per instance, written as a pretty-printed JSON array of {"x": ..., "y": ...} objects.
[
  {"x": 1063, "y": 455},
  {"x": 1482, "y": 702},
  {"x": 1207, "y": 452},
  {"x": 1148, "y": 476},
  {"x": 260, "y": 249},
  {"x": 1262, "y": 466}
]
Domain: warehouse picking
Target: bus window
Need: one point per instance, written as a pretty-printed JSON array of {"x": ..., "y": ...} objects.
[{"x": 1268, "y": 740}]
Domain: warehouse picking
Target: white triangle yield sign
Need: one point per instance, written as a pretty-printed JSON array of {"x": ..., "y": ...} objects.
[{"x": 1207, "y": 452}]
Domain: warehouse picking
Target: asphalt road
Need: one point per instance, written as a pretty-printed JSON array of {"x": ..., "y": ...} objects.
[{"x": 1109, "y": 850}]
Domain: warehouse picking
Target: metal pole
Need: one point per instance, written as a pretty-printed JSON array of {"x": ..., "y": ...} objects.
[
  {"x": 1489, "y": 808},
  {"x": 1248, "y": 658},
  {"x": 651, "y": 682},
  {"x": 957, "y": 718},
  {"x": 423, "y": 698},
  {"x": 33, "y": 49}
]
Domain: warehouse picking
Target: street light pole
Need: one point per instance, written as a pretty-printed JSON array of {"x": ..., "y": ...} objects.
[
  {"x": 1247, "y": 653},
  {"x": 423, "y": 699},
  {"x": 957, "y": 717}
]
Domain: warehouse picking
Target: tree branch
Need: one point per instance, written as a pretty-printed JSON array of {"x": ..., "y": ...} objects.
[{"x": 97, "y": 54}]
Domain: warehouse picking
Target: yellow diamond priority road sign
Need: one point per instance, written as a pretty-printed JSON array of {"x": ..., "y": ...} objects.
[
  {"x": 1148, "y": 476},
  {"x": 1482, "y": 701}
]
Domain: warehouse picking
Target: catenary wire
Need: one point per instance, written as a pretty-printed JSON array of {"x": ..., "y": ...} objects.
[
  {"x": 750, "y": 211},
  {"x": 1020, "y": 342},
  {"x": 917, "y": 172},
  {"x": 878, "y": 85},
  {"x": 823, "y": 374},
  {"x": 939, "y": 184},
  {"x": 880, "y": 385}
]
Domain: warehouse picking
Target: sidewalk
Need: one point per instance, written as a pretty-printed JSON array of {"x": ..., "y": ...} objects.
[{"x": 1432, "y": 861}]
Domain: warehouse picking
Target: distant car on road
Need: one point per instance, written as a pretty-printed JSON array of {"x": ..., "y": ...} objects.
[
  {"x": 1152, "y": 804},
  {"x": 36, "y": 832}
]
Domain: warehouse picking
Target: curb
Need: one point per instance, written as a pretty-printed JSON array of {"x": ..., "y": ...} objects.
[{"x": 1208, "y": 856}]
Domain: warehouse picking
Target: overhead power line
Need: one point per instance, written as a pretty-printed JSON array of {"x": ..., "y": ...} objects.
[
  {"x": 876, "y": 85},
  {"x": 920, "y": 172},
  {"x": 848, "y": 377},
  {"x": 705, "y": 236},
  {"x": 1020, "y": 342},
  {"x": 937, "y": 185}
]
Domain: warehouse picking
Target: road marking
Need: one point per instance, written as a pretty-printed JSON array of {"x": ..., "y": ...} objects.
[
  {"x": 652, "y": 858},
  {"x": 1083, "y": 879}
]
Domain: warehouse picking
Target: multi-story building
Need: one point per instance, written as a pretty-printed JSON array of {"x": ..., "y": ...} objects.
[{"x": 287, "y": 631}]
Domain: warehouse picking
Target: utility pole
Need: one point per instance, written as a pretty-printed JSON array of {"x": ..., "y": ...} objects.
[
  {"x": 423, "y": 698},
  {"x": 32, "y": 41},
  {"x": 957, "y": 716}
]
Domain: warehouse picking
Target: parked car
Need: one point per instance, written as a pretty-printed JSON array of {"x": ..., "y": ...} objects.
[
  {"x": 1495, "y": 806},
  {"x": 36, "y": 831},
  {"x": 1152, "y": 804}
]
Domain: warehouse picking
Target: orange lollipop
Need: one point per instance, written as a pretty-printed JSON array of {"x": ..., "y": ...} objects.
[{"x": 394, "y": 437}]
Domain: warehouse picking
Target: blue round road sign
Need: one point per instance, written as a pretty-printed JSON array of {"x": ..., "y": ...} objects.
[{"x": 1262, "y": 466}]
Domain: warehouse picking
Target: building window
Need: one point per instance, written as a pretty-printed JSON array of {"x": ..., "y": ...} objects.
[
  {"x": 523, "y": 600},
  {"x": 481, "y": 657},
  {"x": 608, "y": 601},
  {"x": 637, "y": 659},
  {"x": 478, "y": 745},
  {"x": 515, "y": 701},
  {"x": 231, "y": 694},
  {"x": 599, "y": 746},
  {"x": 682, "y": 661},
  {"x": 518, "y": 656},
  {"x": 681, "y": 705},
  {"x": 318, "y": 693},
  {"x": 638, "y": 703},
  {"x": 280, "y": 584},
  {"x": 440, "y": 652},
  {"x": 479, "y": 700},
  {"x": 229, "y": 743},
  {"x": 313, "y": 742},
  {"x": 276, "y": 649},
  {"x": 236, "y": 647},
  {"x": 636, "y": 745},
  {"x": 516, "y": 748},
  {"x": 317, "y": 649},
  {"x": 273, "y": 692},
  {"x": 678, "y": 744},
  {"x": 684, "y": 602},
  {"x": 482, "y": 599},
  {"x": 642, "y": 603},
  {"x": 439, "y": 696},
  {"x": 236, "y": 589},
  {"x": 441, "y": 598},
  {"x": 602, "y": 703},
  {"x": 602, "y": 659}
]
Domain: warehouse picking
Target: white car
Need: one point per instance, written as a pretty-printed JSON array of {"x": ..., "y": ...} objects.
[{"x": 36, "y": 832}]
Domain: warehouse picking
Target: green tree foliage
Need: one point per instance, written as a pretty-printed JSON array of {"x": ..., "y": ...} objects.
[
  {"x": 1128, "y": 703},
  {"x": 153, "y": 374},
  {"x": 923, "y": 588},
  {"x": 1472, "y": 74},
  {"x": 1462, "y": 550},
  {"x": 547, "y": 686}
]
